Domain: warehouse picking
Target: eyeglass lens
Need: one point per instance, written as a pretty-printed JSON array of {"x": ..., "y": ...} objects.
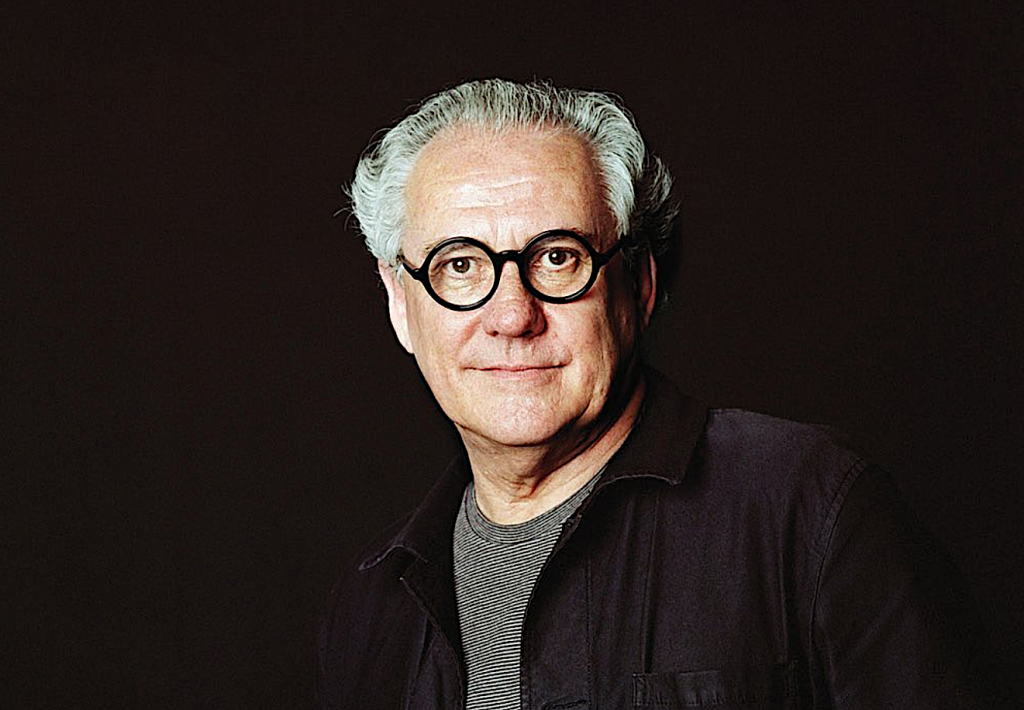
[{"x": 463, "y": 273}]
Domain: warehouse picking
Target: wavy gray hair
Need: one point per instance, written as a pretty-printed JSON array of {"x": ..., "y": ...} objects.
[{"x": 637, "y": 184}]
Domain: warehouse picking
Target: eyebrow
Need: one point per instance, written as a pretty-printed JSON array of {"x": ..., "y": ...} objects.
[{"x": 428, "y": 246}]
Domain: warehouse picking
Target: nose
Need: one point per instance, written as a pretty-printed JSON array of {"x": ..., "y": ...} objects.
[{"x": 513, "y": 311}]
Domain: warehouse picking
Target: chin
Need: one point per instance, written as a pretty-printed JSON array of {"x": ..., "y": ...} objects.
[
  {"x": 511, "y": 424},
  {"x": 516, "y": 437}
]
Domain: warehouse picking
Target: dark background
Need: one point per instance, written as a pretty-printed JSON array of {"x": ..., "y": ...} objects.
[{"x": 206, "y": 414}]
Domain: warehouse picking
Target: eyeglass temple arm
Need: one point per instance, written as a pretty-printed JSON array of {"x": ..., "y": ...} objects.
[
  {"x": 417, "y": 274},
  {"x": 602, "y": 258}
]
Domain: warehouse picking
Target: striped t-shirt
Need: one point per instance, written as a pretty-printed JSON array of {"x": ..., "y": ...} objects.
[{"x": 496, "y": 567}]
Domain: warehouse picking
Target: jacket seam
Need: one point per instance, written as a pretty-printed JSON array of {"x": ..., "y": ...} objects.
[
  {"x": 828, "y": 532},
  {"x": 590, "y": 637},
  {"x": 646, "y": 604}
]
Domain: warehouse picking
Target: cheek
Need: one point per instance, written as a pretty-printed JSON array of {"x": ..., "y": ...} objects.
[
  {"x": 418, "y": 319},
  {"x": 600, "y": 339},
  {"x": 620, "y": 303},
  {"x": 435, "y": 333}
]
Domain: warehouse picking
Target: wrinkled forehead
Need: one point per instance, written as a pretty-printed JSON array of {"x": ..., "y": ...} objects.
[
  {"x": 482, "y": 141},
  {"x": 503, "y": 185}
]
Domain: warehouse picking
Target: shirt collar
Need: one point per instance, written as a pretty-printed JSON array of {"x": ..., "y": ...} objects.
[{"x": 660, "y": 446}]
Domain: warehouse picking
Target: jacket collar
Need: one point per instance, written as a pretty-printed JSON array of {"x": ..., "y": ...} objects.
[
  {"x": 660, "y": 446},
  {"x": 664, "y": 436}
]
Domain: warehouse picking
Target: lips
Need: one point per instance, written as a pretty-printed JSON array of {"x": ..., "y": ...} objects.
[
  {"x": 519, "y": 372},
  {"x": 515, "y": 368}
]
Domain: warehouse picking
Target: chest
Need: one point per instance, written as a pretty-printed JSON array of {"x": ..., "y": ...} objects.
[{"x": 637, "y": 609}]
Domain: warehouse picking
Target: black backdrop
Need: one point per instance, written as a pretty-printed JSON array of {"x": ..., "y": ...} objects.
[{"x": 206, "y": 413}]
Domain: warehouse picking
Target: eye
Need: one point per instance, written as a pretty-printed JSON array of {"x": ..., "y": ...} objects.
[
  {"x": 460, "y": 265},
  {"x": 558, "y": 257}
]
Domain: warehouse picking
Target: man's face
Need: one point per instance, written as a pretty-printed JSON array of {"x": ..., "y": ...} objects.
[{"x": 517, "y": 371}]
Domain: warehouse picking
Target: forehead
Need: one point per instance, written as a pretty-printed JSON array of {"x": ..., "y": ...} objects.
[{"x": 502, "y": 186}]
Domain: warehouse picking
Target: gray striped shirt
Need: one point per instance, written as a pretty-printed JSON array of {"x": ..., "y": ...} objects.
[{"x": 496, "y": 567}]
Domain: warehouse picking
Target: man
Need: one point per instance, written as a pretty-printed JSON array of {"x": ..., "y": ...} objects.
[{"x": 605, "y": 541}]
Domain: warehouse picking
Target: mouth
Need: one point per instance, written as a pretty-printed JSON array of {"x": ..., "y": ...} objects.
[
  {"x": 515, "y": 368},
  {"x": 514, "y": 371}
]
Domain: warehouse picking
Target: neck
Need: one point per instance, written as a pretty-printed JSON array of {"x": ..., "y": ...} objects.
[{"x": 515, "y": 484}]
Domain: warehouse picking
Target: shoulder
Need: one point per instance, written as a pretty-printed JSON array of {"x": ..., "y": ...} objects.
[
  {"x": 753, "y": 439},
  {"x": 754, "y": 449},
  {"x": 726, "y": 456},
  {"x": 362, "y": 574},
  {"x": 773, "y": 474},
  {"x": 371, "y": 580},
  {"x": 367, "y": 597}
]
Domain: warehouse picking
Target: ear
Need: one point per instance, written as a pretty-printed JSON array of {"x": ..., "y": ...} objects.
[
  {"x": 396, "y": 304},
  {"x": 647, "y": 285}
]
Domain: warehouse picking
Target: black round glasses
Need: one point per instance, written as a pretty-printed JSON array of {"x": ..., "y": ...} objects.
[{"x": 557, "y": 266}]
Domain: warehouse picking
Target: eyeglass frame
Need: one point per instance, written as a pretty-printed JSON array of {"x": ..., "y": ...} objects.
[{"x": 499, "y": 259}]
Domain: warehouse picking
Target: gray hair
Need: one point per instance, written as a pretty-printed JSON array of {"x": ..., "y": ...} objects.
[{"x": 636, "y": 182}]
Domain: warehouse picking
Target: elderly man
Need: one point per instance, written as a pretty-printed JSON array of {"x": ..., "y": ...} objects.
[{"x": 605, "y": 541}]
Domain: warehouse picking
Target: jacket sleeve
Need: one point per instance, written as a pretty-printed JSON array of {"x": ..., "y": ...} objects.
[{"x": 894, "y": 626}]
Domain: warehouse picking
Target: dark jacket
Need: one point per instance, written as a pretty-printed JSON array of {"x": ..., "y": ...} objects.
[{"x": 725, "y": 558}]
